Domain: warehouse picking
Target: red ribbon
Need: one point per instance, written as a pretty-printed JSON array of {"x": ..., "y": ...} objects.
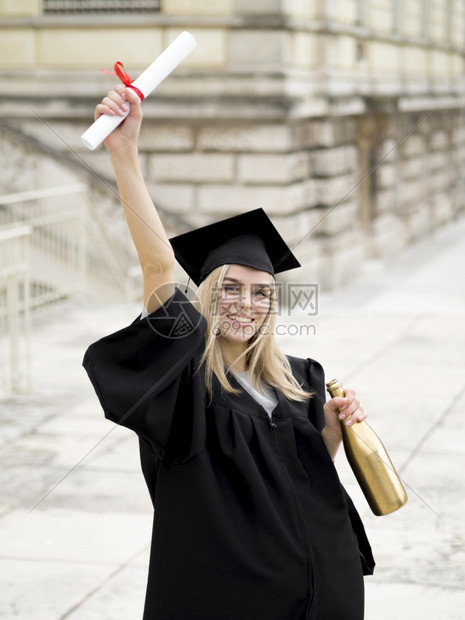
[{"x": 121, "y": 72}]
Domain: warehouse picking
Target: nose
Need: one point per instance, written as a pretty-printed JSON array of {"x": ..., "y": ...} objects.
[{"x": 245, "y": 297}]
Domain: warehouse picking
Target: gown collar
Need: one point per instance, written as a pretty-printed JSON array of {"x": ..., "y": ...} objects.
[{"x": 247, "y": 403}]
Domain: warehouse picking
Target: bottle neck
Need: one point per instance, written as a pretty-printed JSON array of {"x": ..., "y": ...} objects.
[{"x": 335, "y": 388}]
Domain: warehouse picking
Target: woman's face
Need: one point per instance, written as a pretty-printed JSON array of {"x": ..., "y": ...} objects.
[{"x": 244, "y": 302}]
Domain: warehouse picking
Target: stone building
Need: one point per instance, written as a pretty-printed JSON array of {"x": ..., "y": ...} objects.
[{"x": 342, "y": 118}]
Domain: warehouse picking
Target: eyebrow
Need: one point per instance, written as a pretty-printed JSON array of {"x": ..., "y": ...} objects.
[{"x": 265, "y": 284}]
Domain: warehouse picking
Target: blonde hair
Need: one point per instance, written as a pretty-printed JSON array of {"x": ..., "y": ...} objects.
[{"x": 265, "y": 361}]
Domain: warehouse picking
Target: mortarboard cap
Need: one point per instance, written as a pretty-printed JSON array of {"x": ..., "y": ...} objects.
[{"x": 248, "y": 239}]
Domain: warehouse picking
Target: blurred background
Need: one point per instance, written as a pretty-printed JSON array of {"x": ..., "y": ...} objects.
[
  {"x": 343, "y": 119},
  {"x": 347, "y": 108},
  {"x": 303, "y": 108}
]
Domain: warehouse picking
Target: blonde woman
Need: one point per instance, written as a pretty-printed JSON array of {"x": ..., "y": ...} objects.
[{"x": 237, "y": 445}]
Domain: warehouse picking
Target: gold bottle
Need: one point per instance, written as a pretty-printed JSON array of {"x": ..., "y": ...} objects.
[{"x": 370, "y": 463}]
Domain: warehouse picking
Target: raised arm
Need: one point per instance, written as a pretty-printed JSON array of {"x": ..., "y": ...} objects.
[{"x": 156, "y": 256}]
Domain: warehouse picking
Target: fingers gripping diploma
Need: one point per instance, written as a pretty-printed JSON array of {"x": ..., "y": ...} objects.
[
  {"x": 340, "y": 409},
  {"x": 122, "y": 102},
  {"x": 168, "y": 60}
]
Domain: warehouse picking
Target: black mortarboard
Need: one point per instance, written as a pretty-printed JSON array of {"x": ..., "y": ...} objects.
[{"x": 248, "y": 239}]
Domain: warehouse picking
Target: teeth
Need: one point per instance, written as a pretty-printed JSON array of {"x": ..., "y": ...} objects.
[{"x": 240, "y": 319}]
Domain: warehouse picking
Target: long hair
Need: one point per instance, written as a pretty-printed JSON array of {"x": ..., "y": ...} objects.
[{"x": 264, "y": 360}]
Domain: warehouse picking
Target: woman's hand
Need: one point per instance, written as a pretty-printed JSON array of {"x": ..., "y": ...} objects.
[
  {"x": 337, "y": 409},
  {"x": 347, "y": 409},
  {"x": 116, "y": 103}
]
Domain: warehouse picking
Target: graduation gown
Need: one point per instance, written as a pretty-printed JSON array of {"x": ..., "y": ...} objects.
[{"x": 250, "y": 519}]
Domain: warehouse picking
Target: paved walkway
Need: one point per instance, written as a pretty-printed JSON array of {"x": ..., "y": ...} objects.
[{"x": 75, "y": 516}]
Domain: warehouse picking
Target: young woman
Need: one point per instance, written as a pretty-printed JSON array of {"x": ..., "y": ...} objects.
[{"x": 237, "y": 444}]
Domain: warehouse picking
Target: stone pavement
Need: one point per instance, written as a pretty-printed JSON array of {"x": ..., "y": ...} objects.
[{"x": 75, "y": 516}]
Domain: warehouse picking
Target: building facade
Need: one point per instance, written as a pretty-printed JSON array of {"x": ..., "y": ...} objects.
[{"x": 343, "y": 119}]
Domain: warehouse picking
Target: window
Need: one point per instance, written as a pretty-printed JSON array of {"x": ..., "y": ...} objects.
[
  {"x": 396, "y": 16},
  {"x": 448, "y": 20},
  {"x": 361, "y": 13},
  {"x": 425, "y": 17},
  {"x": 62, "y": 7}
]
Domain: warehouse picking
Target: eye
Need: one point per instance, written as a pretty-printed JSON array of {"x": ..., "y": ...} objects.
[
  {"x": 231, "y": 289},
  {"x": 262, "y": 293}
]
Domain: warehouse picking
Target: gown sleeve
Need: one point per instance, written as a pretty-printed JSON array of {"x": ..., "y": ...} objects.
[
  {"x": 311, "y": 374},
  {"x": 143, "y": 374}
]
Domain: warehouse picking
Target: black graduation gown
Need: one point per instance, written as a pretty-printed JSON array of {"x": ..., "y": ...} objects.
[{"x": 251, "y": 521}]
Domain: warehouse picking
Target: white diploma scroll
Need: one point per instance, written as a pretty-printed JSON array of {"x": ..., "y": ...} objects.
[{"x": 147, "y": 81}]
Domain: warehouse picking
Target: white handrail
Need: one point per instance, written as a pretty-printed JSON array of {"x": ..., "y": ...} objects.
[
  {"x": 46, "y": 192},
  {"x": 14, "y": 307},
  {"x": 46, "y": 245},
  {"x": 14, "y": 232}
]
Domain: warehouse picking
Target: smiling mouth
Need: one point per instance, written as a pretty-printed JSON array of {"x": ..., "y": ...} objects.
[{"x": 240, "y": 319}]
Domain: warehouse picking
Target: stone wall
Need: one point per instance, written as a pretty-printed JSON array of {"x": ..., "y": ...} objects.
[
  {"x": 418, "y": 185},
  {"x": 340, "y": 189},
  {"x": 344, "y": 124}
]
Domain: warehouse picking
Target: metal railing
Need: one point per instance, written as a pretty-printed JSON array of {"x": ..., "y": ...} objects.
[
  {"x": 57, "y": 241},
  {"x": 15, "y": 324},
  {"x": 46, "y": 257}
]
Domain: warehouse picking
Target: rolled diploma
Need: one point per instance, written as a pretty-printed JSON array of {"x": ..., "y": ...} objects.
[{"x": 147, "y": 81}]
